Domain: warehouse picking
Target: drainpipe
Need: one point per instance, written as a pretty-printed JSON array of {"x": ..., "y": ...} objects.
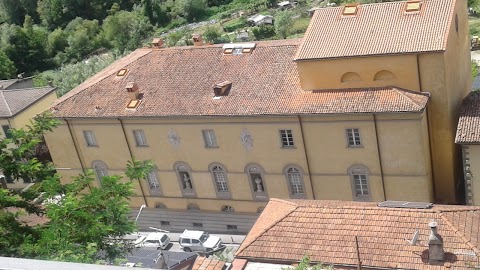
[
  {"x": 131, "y": 156},
  {"x": 75, "y": 144},
  {"x": 379, "y": 154},
  {"x": 306, "y": 157}
]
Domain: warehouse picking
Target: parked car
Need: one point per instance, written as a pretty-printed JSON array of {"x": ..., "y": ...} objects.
[
  {"x": 199, "y": 241},
  {"x": 155, "y": 239}
]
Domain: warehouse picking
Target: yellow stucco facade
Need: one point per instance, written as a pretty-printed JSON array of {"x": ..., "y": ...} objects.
[{"x": 409, "y": 156}]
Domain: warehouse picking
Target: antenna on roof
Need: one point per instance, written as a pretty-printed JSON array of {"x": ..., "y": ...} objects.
[{"x": 414, "y": 240}]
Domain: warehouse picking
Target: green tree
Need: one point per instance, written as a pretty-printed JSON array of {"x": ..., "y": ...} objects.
[
  {"x": 191, "y": 10},
  {"x": 56, "y": 42},
  {"x": 305, "y": 264},
  {"x": 283, "y": 22},
  {"x": 7, "y": 67},
  {"x": 212, "y": 34}
]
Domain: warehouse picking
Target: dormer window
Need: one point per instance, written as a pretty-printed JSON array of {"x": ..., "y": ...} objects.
[
  {"x": 413, "y": 6},
  {"x": 237, "y": 51},
  {"x": 350, "y": 10}
]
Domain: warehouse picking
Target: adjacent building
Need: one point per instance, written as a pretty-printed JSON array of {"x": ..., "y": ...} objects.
[
  {"x": 359, "y": 235},
  {"x": 362, "y": 108}
]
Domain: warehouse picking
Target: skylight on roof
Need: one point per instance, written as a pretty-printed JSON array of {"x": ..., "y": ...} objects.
[
  {"x": 350, "y": 9},
  {"x": 238, "y": 48},
  {"x": 413, "y": 6},
  {"x": 133, "y": 104},
  {"x": 122, "y": 72}
]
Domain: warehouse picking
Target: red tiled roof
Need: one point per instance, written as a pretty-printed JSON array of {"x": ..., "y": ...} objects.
[
  {"x": 377, "y": 29},
  {"x": 468, "y": 129},
  {"x": 202, "y": 263},
  {"x": 179, "y": 82},
  {"x": 325, "y": 230}
]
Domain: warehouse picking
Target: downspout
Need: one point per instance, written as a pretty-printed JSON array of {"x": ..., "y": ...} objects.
[
  {"x": 131, "y": 156},
  {"x": 306, "y": 157},
  {"x": 379, "y": 152},
  {"x": 75, "y": 144},
  {"x": 430, "y": 137}
]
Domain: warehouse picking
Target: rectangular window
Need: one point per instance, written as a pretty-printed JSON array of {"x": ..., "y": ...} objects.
[
  {"x": 287, "y": 137},
  {"x": 164, "y": 223},
  {"x": 6, "y": 131},
  {"x": 89, "y": 138},
  {"x": 231, "y": 227},
  {"x": 139, "y": 137},
  {"x": 209, "y": 138},
  {"x": 153, "y": 180},
  {"x": 353, "y": 136},
  {"x": 360, "y": 182},
  {"x": 197, "y": 225}
]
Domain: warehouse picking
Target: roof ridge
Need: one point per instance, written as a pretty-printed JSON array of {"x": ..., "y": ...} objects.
[
  {"x": 403, "y": 93},
  {"x": 28, "y": 88},
  {"x": 6, "y": 103},
  {"x": 272, "y": 224},
  {"x": 449, "y": 24},
  {"x": 459, "y": 234}
]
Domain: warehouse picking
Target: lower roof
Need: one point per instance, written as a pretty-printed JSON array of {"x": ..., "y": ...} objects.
[
  {"x": 287, "y": 230},
  {"x": 180, "y": 81},
  {"x": 468, "y": 128}
]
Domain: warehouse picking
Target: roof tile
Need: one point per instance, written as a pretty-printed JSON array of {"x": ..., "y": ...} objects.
[{"x": 468, "y": 128}]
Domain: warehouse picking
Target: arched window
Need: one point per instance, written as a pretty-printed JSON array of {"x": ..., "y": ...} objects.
[
  {"x": 359, "y": 177},
  {"x": 219, "y": 177},
  {"x": 185, "y": 179},
  {"x": 294, "y": 176},
  {"x": 193, "y": 207},
  {"x": 384, "y": 75},
  {"x": 153, "y": 182},
  {"x": 351, "y": 77},
  {"x": 228, "y": 208},
  {"x": 100, "y": 169},
  {"x": 257, "y": 181}
]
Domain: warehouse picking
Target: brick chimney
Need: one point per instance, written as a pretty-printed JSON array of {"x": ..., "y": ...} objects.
[
  {"x": 157, "y": 43},
  {"x": 132, "y": 89},
  {"x": 220, "y": 89},
  {"x": 436, "y": 254},
  {"x": 197, "y": 39}
]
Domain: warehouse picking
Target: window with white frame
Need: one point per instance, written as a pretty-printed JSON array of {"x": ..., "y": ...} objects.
[
  {"x": 184, "y": 179},
  {"x": 286, "y": 136},
  {"x": 295, "y": 182},
  {"x": 220, "y": 179},
  {"x": 353, "y": 137},
  {"x": 90, "y": 138},
  {"x": 139, "y": 137},
  {"x": 153, "y": 181},
  {"x": 209, "y": 138},
  {"x": 360, "y": 187},
  {"x": 100, "y": 169}
]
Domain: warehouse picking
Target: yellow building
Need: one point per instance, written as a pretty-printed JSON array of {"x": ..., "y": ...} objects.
[
  {"x": 468, "y": 136},
  {"x": 340, "y": 114}
]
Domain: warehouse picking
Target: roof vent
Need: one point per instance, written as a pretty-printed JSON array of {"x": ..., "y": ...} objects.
[
  {"x": 157, "y": 43},
  {"x": 132, "y": 89},
  {"x": 222, "y": 89},
  {"x": 197, "y": 39},
  {"x": 413, "y": 6},
  {"x": 436, "y": 255},
  {"x": 239, "y": 48},
  {"x": 350, "y": 9}
]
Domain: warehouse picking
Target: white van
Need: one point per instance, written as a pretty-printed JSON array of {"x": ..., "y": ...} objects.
[{"x": 155, "y": 239}]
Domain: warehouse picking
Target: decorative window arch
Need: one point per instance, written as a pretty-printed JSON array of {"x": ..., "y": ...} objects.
[
  {"x": 359, "y": 178},
  {"x": 294, "y": 176},
  {"x": 219, "y": 177},
  {"x": 228, "y": 209},
  {"x": 160, "y": 205},
  {"x": 184, "y": 177},
  {"x": 384, "y": 75},
  {"x": 193, "y": 207},
  {"x": 350, "y": 77},
  {"x": 100, "y": 169},
  {"x": 256, "y": 180}
]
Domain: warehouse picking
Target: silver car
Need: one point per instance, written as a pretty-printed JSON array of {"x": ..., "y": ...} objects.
[{"x": 199, "y": 241}]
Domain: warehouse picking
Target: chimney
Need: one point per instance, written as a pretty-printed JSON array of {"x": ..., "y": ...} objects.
[
  {"x": 197, "y": 39},
  {"x": 157, "y": 43},
  {"x": 220, "y": 89},
  {"x": 132, "y": 90},
  {"x": 436, "y": 254}
]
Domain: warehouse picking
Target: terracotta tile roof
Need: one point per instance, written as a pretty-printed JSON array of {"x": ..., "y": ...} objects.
[
  {"x": 179, "y": 82},
  {"x": 13, "y": 102},
  {"x": 202, "y": 263},
  {"x": 468, "y": 129},
  {"x": 325, "y": 230},
  {"x": 377, "y": 29}
]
